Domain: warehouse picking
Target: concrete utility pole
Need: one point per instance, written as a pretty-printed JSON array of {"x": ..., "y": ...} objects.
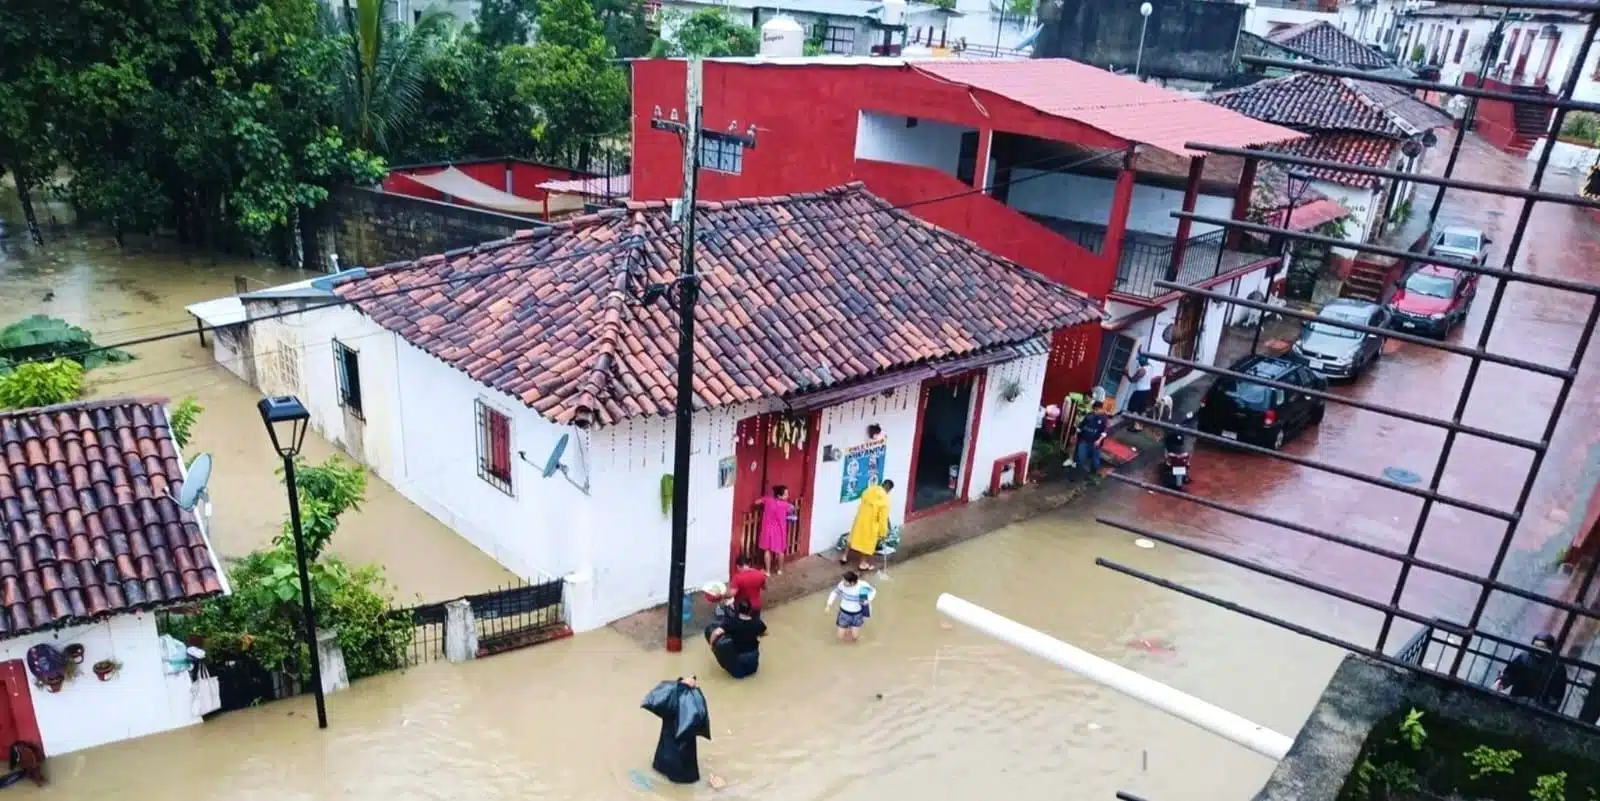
[{"x": 687, "y": 286}]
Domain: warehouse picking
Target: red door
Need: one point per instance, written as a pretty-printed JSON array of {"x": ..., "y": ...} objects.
[
  {"x": 17, "y": 721},
  {"x": 773, "y": 450}
]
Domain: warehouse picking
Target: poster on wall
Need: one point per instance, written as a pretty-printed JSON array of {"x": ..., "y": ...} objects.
[{"x": 863, "y": 467}]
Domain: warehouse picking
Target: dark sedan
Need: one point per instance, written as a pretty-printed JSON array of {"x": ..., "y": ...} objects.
[{"x": 1336, "y": 351}]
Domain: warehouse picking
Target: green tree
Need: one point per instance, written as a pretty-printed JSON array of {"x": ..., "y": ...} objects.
[
  {"x": 709, "y": 33},
  {"x": 506, "y": 22},
  {"x": 469, "y": 108},
  {"x": 570, "y": 77},
  {"x": 381, "y": 76},
  {"x": 625, "y": 26},
  {"x": 26, "y": 386}
]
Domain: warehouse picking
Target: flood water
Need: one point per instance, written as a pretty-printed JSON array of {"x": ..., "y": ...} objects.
[
  {"x": 141, "y": 291},
  {"x": 920, "y": 708}
]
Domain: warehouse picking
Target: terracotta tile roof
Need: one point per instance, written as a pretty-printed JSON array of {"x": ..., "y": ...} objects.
[
  {"x": 1403, "y": 107},
  {"x": 1120, "y": 106},
  {"x": 1321, "y": 40},
  {"x": 799, "y": 293},
  {"x": 1309, "y": 101},
  {"x": 1369, "y": 151},
  {"x": 89, "y": 527}
]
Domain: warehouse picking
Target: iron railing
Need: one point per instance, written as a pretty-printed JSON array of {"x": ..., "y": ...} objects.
[
  {"x": 1485, "y": 657},
  {"x": 1146, "y": 258},
  {"x": 510, "y": 617},
  {"x": 1462, "y": 654}
]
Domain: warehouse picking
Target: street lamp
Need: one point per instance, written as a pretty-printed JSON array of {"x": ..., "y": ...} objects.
[
  {"x": 1299, "y": 181},
  {"x": 286, "y": 419},
  {"x": 1138, "y": 60}
]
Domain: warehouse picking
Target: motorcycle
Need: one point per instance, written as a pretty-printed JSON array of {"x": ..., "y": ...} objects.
[{"x": 1175, "y": 463}]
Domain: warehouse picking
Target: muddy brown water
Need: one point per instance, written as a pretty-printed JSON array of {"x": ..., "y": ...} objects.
[{"x": 921, "y": 706}]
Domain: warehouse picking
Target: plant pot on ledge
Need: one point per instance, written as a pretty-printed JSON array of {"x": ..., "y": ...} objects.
[{"x": 106, "y": 668}]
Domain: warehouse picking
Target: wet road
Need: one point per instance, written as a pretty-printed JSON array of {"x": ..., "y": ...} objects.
[
  {"x": 1534, "y": 324},
  {"x": 919, "y": 708},
  {"x": 141, "y": 291}
]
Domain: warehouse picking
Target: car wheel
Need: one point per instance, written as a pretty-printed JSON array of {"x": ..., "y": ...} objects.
[
  {"x": 1316, "y": 416},
  {"x": 1277, "y": 440}
]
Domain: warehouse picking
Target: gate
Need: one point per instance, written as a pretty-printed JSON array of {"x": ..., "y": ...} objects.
[{"x": 773, "y": 450}]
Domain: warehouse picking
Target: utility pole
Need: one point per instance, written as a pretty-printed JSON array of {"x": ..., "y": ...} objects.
[{"x": 687, "y": 287}]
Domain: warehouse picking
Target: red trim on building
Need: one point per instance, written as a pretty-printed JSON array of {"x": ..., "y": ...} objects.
[
  {"x": 1019, "y": 461},
  {"x": 980, "y": 382},
  {"x": 19, "y": 699}
]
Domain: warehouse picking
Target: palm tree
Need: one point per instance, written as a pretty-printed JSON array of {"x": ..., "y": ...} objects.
[{"x": 381, "y": 74}]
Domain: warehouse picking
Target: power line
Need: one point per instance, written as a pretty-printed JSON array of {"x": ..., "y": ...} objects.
[{"x": 628, "y": 243}]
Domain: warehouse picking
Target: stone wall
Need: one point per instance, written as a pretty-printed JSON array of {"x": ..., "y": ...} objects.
[{"x": 368, "y": 228}]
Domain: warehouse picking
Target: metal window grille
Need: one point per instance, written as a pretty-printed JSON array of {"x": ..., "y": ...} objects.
[
  {"x": 721, "y": 155},
  {"x": 494, "y": 447},
  {"x": 347, "y": 369},
  {"x": 839, "y": 40},
  {"x": 1464, "y": 653}
]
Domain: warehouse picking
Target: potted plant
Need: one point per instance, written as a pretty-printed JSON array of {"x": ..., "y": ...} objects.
[
  {"x": 73, "y": 653},
  {"x": 104, "y": 669}
]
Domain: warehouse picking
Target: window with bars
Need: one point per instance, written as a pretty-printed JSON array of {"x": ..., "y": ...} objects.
[
  {"x": 839, "y": 40},
  {"x": 1461, "y": 46},
  {"x": 494, "y": 447},
  {"x": 722, "y": 155},
  {"x": 347, "y": 370},
  {"x": 1116, "y": 351}
]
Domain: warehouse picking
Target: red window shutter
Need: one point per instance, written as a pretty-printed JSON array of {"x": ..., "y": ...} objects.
[{"x": 500, "y": 445}]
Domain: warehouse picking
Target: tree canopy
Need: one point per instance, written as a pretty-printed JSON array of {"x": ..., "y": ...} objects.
[{"x": 709, "y": 33}]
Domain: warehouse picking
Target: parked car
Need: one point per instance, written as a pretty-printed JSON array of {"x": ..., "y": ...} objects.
[
  {"x": 1257, "y": 414},
  {"x": 1338, "y": 352},
  {"x": 1459, "y": 243},
  {"x": 1431, "y": 299}
]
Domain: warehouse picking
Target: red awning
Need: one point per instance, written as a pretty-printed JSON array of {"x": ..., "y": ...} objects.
[
  {"x": 1121, "y": 106},
  {"x": 1315, "y": 213}
]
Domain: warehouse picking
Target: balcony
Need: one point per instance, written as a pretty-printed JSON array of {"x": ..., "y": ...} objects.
[{"x": 1147, "y": 258}]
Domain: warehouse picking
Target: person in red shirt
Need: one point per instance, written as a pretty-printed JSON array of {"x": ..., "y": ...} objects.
[{"x": 747, "y": 584}]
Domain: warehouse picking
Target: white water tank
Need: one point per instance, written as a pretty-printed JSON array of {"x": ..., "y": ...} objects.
[
  {"x": 782, "y": 37},
  {"x": 894, "y": 12}
]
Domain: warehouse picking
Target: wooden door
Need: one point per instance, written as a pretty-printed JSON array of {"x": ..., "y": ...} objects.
[
  {"x": 1185, "y": 339},
  {"x": 773, "y": 450}
]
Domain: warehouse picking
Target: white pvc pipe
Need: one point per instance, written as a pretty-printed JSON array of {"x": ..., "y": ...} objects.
[{"x": 1181, "y": 705}]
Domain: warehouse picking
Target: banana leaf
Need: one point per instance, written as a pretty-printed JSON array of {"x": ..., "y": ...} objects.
[{"x": 41, "y": 338}]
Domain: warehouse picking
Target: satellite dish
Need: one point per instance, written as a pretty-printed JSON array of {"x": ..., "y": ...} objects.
[
  {"x": 553, "y": 464},
  {"x": 194, "y": 486}
]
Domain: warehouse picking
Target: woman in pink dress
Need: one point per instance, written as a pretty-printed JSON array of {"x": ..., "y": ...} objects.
[{"x": 774, "y": 541}]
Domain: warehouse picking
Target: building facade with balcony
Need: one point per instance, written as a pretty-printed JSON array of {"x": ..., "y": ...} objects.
[{"x": 1065, "y": 169}]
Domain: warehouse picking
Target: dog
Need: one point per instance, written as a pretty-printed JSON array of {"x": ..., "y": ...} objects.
[{"x": 1162, "y": 408}]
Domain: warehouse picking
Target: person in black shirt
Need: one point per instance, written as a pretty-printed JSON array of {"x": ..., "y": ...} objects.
[
  {"x": 1091, "y": 433},
  {"x": 1536, "y": 675},
  {"x": 736, "y": 641}
]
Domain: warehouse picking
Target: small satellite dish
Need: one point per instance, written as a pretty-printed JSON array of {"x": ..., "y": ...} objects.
[
  {"x": 553, "y": 464},
  {"x": 194, "y": 485}
]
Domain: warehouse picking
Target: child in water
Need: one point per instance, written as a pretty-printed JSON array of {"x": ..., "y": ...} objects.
[{"x": 855, "y": 605}]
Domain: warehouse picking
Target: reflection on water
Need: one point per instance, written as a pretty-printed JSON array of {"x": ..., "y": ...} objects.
[
  {"x": 141, "y": 291},
  {"x": 920, "y": 708}
]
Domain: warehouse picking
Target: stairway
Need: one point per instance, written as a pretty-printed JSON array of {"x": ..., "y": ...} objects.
[
  {"x": 1531, "y": 121},
  {"x": 1366, "y": 281}
]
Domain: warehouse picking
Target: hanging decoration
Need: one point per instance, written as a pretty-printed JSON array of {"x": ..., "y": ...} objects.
[
  {"x": 48, "y": 665},
  {"x": 786, "y": 433}
]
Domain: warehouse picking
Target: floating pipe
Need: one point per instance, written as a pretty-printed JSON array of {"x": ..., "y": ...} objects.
[{"x": 1181, "y": 705}]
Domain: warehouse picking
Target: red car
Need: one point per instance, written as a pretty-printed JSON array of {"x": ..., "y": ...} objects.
[{"x": 1431, "y": 300}]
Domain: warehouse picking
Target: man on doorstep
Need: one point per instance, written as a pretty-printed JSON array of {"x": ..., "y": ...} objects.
[
  {"x": 1144, "y": 379},
  {"x": 1091, "y": 433},
  {"x": 736, "y": 641},
  {"x": 870, "y": 527}
]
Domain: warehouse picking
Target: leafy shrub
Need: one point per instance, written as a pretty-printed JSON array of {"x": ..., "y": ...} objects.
[
  {"x": 1581, "y": 125},
  {"x": 327, "y": 490},
  {"x": 40, "y": 338},
  {"x": 181, "y": 419},
  {"x": 41, "y": 384}
]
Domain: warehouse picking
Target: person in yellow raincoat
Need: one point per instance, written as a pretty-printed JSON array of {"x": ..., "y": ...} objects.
[{"x": 871, "y": 525}]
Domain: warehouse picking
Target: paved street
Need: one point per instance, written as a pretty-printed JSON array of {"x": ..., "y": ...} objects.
[{"x": 1534, "y": 324}]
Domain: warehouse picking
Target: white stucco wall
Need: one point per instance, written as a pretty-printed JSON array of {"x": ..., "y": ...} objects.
[
  {"x": 1088, "y": 199},
  {"x": 139, "y": 699},
  {"x": 885, "y": 137},
  {"x": 1364, "y": 208}
]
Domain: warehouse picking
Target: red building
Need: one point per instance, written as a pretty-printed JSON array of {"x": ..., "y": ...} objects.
[{"x": 1063, "y": 168}]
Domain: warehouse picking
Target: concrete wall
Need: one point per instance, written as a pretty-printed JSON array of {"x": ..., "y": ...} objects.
[
  {"x": 139, "y": 699},
  {"x": 930, "y": 143},
  {"x": 369, "y": 228},
  {"x": 1182, "y": 39},
  {"x": 1262, "y": 20},
  {"x": 1087, "y": 199}
]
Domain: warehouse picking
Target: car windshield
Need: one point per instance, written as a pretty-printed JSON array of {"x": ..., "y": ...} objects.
[
  {"x": 1459, "y": 241},
  {"x": 1246, "y": 394},
  {"x": 1434, "y": 286},
  {"x": 1326, "y": 330}
]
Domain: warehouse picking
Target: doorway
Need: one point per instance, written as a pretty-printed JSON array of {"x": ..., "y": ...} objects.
[
  {"x": 773, "y": 450},
  {"x": 946, "y": 426}
]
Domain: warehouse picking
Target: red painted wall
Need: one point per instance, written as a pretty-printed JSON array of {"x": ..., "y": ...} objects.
[{"x": 1496, "y": 119}]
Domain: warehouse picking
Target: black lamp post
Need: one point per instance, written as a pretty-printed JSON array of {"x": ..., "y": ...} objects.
[
  {"x": 1297, "y": 184},
  {"x": 286, "y": 419}
]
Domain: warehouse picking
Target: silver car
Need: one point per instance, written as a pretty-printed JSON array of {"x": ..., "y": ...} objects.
[
  {"x": 1459, "y": 243},
  {"x": 1338, "y": 352}
]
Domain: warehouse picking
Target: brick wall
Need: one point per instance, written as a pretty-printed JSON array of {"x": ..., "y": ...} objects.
[{"x": 368, "y": 228}]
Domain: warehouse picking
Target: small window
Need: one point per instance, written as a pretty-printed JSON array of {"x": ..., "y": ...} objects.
[
  {"x": 347, "y": 365},
  {"x": 1461, "y": 46},
  {"x": 839, "y": 40},
  {"x": 416, "y": 17},
  {"x": 722, "y": 155},
  {"x": 494, "y": 447}
]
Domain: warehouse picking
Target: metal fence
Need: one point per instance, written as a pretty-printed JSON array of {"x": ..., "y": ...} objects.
[
  {"x": 511, "y": 617},
  {"x": 1146, "y": 259},
  {"x": 1483, "y": 657},
  {"x": 1459, "y": 663}
]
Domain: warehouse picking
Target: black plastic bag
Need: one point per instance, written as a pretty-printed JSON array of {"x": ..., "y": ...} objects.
[{"x": 684, "y": 717}]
